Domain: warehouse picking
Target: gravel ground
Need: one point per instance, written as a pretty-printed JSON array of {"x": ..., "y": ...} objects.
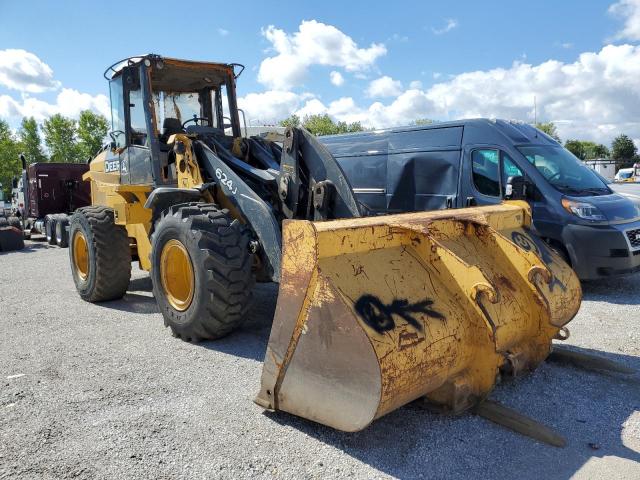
[{"x": 104, "y": 391}]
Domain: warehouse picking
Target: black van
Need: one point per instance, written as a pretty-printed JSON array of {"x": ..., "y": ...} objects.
[{"x": 480, "y": 162}]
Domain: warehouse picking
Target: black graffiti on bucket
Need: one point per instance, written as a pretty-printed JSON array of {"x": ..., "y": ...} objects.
[
  {"x": 380, "y": 316},
  {"x": 537, "y": 246}
]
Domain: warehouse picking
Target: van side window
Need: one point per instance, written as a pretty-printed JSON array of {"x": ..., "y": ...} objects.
[
  {"x": 509, "y": 169},
  {"x": 486, "y": 171}
]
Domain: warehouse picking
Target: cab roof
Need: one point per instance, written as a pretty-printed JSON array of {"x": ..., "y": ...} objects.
[{"x": 167, "y": 72}]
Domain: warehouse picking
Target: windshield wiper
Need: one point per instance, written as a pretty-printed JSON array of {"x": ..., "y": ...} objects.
[
  {"x": 585, "y": 190},
  {"x": 568, "y": 188}
]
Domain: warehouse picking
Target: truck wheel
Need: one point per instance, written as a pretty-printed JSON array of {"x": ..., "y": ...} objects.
[
  {"x": 100, "y": 254},
  {"x": 62, "y": 236},
  {"x": 14, "y": 222},
  {"x": 201, "y": 271},
  {"x": 50, "y": 229}
]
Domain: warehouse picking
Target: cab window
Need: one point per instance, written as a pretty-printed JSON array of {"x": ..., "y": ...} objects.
[
  {"x": 117, "y": 112},
  {"x": 138, "y": 131},
  {"x": 486, "y": 171}
]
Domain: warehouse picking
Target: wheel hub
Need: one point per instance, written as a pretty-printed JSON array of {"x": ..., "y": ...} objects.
[
  {"x": 80, "y": 255},
  {"x": 176, "y": 275}
]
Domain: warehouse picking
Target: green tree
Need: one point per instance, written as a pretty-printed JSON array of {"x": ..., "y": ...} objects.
[
  {"x": 623, "y": 150},
  {"x": 576, "y": 147},
  {"x": 10, "y": 148},
  {"x": 586, "y": 150},
  {"x": 550, "y": 129},
  {"x": 600, "y": 151},
  {"x": 60, "y": 136},
  {"x": 92, "y": 128},
  {"x": 324, "y": 125},
  {"x": 321, "y": 124},
  {"x": 30, "y": 138},
  {"x": 292, "y": 121}
]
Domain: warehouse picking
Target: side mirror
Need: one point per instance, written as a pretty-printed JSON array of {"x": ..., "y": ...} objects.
[{"x": 517, "y": 188}]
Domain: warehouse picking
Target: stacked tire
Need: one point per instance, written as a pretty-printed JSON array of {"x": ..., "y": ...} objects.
[
  {"x": 11, "y": 238},
  {"x": 15, "y": 222}
]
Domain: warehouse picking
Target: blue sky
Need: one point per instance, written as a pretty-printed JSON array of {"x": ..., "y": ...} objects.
[{"x": 426, "y": 54}]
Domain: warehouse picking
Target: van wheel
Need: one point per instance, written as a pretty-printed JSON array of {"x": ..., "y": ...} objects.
[
  {"x": 201, "y": 271},
  {"x": 100, "y": 255}
]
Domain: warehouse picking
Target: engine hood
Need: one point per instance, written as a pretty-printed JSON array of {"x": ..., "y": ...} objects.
[{"x": 615, "y": 207}]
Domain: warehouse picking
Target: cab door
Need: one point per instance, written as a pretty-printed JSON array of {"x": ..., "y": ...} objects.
[
  {"x": 136, "y": 166},
  {"x": 485, "y": 172},
  {"x": 117, "y": 154}
]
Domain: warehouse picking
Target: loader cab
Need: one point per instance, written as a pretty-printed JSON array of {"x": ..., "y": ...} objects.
[{"x": 153, "y": 98}]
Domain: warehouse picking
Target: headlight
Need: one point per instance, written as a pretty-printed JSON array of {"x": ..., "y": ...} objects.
[{"x": 583, "y": 210}]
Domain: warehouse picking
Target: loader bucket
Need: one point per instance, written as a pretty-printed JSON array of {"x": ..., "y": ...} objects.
[{"x": 376, "y": 312}]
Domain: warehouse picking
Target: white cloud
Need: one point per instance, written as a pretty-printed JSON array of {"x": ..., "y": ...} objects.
[
  {"x": 598, "y": 90},
  {"x": 594, "y": 98},
  {"x": 384, "y": 87},
  {"x": 314, "y": 43},
  {"x": 69, "y": 103},
  {"x": 24, "y": 71},
  {"x": 336, "y": 78},
  {"x": 416, "y": 84},
  {"x": 629, "y": 11},
  {"x": 223, "y": 32},
  {"x": 270, "y": 107},
  {"x": 451, "y": 23},
  {"x": 311, "y": 107}
]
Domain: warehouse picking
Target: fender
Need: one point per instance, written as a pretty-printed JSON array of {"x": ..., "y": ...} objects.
[{"x": 255, "y": 211}]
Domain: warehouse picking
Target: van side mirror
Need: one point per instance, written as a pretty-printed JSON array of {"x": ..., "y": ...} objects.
[{"x": 518, "y": 188}]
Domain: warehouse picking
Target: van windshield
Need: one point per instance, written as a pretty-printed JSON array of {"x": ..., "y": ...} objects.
[{"x": 564, "y": 171}]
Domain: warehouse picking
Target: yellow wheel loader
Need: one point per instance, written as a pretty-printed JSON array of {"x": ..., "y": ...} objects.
[{"x": 372, "y": 312}]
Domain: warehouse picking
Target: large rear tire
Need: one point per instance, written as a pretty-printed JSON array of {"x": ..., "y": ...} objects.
[
  {"x": 50, "y": 229},
  {"x": 201, "y": 271},
  {"x": 62, "y": 236},
  {"x": 100, "y": 254}
]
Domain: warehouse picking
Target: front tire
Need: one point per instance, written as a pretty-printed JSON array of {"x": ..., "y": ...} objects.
[
  {"x": 100, "y": 255},
  {"x": 201, "y": 271}
]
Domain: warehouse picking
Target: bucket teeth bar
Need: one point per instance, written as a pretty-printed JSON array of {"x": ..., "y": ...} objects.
[{"x": 376, "y": 312}]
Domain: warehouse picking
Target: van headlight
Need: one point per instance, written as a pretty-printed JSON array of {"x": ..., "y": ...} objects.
[{"x": 584, "y": 210}]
